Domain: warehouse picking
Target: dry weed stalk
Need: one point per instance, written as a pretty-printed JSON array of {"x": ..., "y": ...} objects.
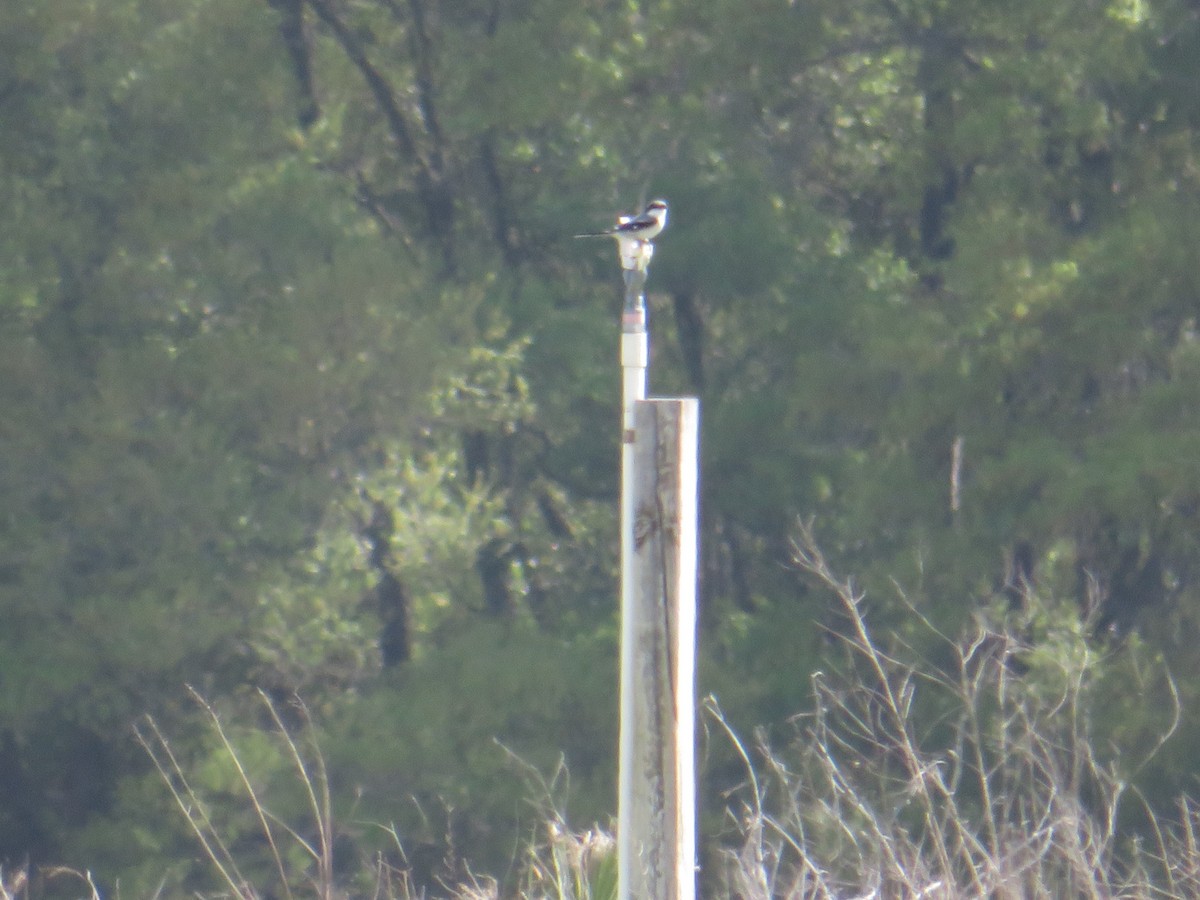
[{"x": 310, "y": 770}]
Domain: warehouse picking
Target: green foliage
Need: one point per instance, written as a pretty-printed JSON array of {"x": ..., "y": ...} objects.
[
  {"x": 430, "y": 750},
  {"x": 291, "y": 329}
]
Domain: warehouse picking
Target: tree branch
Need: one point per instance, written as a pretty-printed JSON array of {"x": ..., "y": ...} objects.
[
  {"x": 433, "y": 189},
  {"x": 385, "y": 97}
]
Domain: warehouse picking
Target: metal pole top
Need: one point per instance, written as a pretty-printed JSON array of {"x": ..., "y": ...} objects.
[{"x": 635, "y": 257}]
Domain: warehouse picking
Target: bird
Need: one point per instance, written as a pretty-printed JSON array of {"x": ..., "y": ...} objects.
[{"x": 644, "y": 227}]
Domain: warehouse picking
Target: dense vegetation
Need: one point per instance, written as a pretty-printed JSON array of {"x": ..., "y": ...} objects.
[{"x": 305, "y": 388}]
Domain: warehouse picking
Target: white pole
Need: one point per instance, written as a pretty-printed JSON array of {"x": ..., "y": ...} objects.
[
  {"x": 656, "y": 810},
  {"x": 635, "y": 352}
]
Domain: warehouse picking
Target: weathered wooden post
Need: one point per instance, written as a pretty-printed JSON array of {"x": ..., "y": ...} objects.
[
  {"x": 660, "y": 816},
  {"x": 656, "y": 828}
]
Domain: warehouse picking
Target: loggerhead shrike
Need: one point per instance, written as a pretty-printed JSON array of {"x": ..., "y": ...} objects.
[{"x": 645, "y": 227}]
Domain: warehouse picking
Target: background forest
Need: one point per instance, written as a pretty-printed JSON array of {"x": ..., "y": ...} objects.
[{"x": 305, "y": 388}]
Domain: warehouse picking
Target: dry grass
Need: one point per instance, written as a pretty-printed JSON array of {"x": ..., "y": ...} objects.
[
  {"x": 561, "y": 864},
  {"x": 1002, "y": 794},
  {"x": 1013, "y": 801},
  {"x": 18, "y": 885},
  {"x": 310, "y": 771}
]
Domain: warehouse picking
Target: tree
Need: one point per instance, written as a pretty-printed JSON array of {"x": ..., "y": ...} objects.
[{"x": 306, "y": 387}]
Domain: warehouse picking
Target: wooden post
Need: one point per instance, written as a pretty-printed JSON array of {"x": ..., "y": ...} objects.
[{"x": 657, "y": 816}]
